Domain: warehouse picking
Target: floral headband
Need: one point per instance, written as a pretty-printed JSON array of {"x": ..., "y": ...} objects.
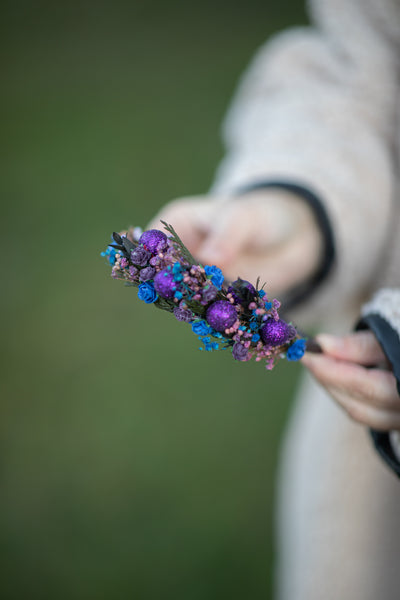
[{"x": 235, "y": 316}]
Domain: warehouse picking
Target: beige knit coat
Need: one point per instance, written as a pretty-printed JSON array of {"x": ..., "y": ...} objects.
[{"x": 320, "y": 105}]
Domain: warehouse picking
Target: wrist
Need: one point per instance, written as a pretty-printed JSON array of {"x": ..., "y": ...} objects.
[{"x": 321, "y": 248}]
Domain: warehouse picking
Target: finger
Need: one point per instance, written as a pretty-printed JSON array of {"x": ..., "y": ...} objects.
[
  {"x": 189, "y": 217},
  {"x": 258, "y": 221},
  {"x": 361, "y": 347},
  {"x": 374, "y": 387},
  {"x": 280, "y": 267},
  {"x": 371, "y": 416}
]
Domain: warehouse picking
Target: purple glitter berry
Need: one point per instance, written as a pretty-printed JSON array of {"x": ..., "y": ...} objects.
[
  {"x": 182, "y": 314},
  {"x": 239, "y": 352},
  {"x": 243, "y": 292},
  {"x": 221, "y": 315},
  {"x": 154, "y": 240},
  {"x": 140, "y": 256},
  {"x": 276, "y": 333},
  {"x": 164, "y": 284},
  {"x": 147, "y": 273}
]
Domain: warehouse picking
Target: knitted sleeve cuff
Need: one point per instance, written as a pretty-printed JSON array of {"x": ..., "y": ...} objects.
[
  {"x": 382, "y": 316},
  {"x": 302, "y": 292}
]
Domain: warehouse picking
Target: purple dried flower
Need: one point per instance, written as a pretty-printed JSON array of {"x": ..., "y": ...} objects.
[
  {"x": 209, "y": 293},
  {"x": 155, "y": 261},
  {"x": 182, "y": 314},
  {"x": 221, "y": 315},
  {"x": 133, "y": 271},
  {"x": 124, "y": 262},
  {"x": 276, "y": 333},
  {"x": 140, "y": 256},
  {"x": 239, "y": 352},
  {"x": 147, "y": 273},
  {"x": 154, "y": 240},
  {"x": 164, "y": 284}
]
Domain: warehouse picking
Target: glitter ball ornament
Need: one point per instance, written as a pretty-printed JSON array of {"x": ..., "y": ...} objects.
[
  {"x": 154, "y": 240},
  {"x": 164, "y": 284},
  {"x": 243, "y": 292},
  {"x": 276, "y": 333},
  {"x": 221, "y": 315}
]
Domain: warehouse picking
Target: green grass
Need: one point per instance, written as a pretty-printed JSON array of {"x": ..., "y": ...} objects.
[{"x": 133, "y": 465}]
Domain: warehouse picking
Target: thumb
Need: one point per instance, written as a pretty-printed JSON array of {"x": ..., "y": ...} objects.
[{"x": 361, "y": 347}]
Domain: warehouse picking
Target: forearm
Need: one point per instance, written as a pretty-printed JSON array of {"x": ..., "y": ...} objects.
[{"x": 311, "y": 113}]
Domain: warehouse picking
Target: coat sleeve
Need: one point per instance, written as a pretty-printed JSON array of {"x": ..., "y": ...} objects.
[
  {"x": 316, "y": 110},
  {"x": 382, "y": 316}
]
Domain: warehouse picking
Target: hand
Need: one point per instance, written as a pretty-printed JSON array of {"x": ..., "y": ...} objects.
[
  {"x": 369, "y": 396},
  {"x": 271, "y": 234}
]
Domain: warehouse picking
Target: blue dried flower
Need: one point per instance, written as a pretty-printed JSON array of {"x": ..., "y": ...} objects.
[
  {"x": 110, "y": 254},
  {"x": 296, "y": 350},
  {"x": 215, "y": 274},
  {"x": 147, "y": 293},
  {"x": 201, "y": 328},
  {"x": 210, "y": 346}
]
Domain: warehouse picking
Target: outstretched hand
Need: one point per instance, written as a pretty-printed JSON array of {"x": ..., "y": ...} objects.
[
  {"x": 271, "y": 234},
  {"x": 368, "y": 395}
]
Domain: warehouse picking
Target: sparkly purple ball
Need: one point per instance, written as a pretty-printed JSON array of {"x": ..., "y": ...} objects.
[
  {"x": 221, "y": 315},
  {"x": 154, "y": 240},
  {"x": 164, "y": 284},
  {"x": 276, "y": 333},
  {"x": 243, "y": 292}
]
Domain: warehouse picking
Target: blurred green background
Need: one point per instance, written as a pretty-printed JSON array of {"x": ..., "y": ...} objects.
[{"x": 132, "y": 465}]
